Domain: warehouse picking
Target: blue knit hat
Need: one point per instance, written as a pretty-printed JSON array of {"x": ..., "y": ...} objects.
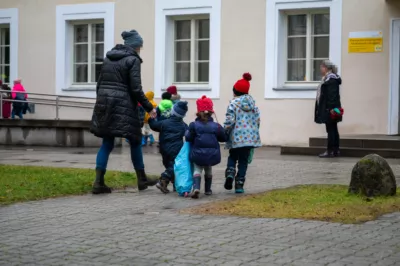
[
  {"x": 132, "y": 38},
  {"x": 180, "y": 109}
]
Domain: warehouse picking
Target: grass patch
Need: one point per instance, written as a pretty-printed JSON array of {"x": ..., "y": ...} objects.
[
  {"x": 329, "y": 203},
  {"x": 25, "y": 183}
]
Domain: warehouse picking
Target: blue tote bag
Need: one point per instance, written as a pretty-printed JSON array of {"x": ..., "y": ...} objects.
[{"x": 183, "y": 170}]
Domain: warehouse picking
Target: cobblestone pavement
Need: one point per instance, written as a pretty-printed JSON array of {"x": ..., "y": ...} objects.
[{"x": 145, "y": 228}]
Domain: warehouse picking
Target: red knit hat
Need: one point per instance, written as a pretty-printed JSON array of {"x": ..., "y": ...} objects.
[
  {"x": 173, "y": 90},
  {"x": 205, "y": 104},
  {"x": 243, "y": 85}
]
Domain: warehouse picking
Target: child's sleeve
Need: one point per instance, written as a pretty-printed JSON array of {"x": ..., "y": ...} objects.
[
  {"x": 221, "y": 136},
  {"x": 230, "y": 119},
  {"x": 190, "y": 133},
  {"x": 258, "y": 118},
  {"x": 155, "y": 125},
  {"x": 158, "y": 112}
]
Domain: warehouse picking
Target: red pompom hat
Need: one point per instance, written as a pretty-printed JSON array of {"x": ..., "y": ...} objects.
[
  {"x": 205, "y": 104},
  {"x": 242, "y": 86},
  {"x": 173, "y": 90}
]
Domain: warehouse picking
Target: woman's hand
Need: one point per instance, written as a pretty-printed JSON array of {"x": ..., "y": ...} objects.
[{"x": 153, "y": 113}]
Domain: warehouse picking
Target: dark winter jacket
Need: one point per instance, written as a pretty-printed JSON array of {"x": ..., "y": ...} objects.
[
  {"x": 119, "y": 91},
  {"x": 172, "y": 131},
  {"x": 205, "y": 138},
  {"x": 329, "y": 98}
]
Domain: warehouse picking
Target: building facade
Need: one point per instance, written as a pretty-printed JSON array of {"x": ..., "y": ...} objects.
[{"x": 204, "y": 46}]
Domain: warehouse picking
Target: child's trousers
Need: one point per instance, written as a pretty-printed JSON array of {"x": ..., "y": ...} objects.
[
  {"x": 168, "y": 162},
  {"x": 239, "y": 156},
  {"x": 198, "y": 170}
]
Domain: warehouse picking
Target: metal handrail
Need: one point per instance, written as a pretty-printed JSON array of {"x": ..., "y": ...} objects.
[{"x": 56, "y": 102}]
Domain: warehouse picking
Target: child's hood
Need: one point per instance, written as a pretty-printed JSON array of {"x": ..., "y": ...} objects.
[
  {"x": 18, "y": 87},
  {"x": 149, "y": 95},
  {"x": 245, "y": 102},
  {"x": 165, "y": 105}
]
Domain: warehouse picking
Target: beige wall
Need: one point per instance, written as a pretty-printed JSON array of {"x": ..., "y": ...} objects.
[{"x": 365, "y": 76}]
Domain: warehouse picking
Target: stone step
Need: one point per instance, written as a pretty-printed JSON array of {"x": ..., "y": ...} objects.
[
  {"x": 361, "y": 141},
  {"x": 345, "y": 152}
]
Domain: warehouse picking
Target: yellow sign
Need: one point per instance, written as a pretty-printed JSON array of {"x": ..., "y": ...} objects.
[{"x": 365, "y": 42}]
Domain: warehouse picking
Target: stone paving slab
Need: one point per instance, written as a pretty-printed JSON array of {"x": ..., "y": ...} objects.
[{"x": 146, "y": 229}]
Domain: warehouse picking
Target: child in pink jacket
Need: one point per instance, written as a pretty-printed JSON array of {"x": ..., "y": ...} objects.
[{"x": 18, "y": 107}]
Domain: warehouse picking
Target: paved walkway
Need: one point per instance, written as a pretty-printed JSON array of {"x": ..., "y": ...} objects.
[{"x": 145, "y": 228}]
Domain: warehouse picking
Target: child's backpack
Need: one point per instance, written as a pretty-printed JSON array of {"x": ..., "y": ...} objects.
[{"x": 183, "y": 170}]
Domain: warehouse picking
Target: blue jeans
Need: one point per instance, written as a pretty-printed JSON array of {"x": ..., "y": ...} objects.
[
  {"x": 107, "y": 147},
  {"x": 239, "y": 156},
  {"x": 19, "y": 113}
]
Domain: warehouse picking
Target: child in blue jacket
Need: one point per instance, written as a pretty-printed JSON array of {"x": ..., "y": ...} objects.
[
  {"x": 172, "y": 130},
  {"x": 204, "y": 135}
]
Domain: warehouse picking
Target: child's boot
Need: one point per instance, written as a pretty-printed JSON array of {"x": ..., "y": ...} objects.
[
  {"x": 239, "y": 183},
  {"x": 207, "y": 185},
  {"x": 99, "y": 187},
  {"x": 162, "y": 185},
  {"x": 151, "y": 139},
  {"x": 230, "y": 176},
  {"x": 196, "y": 187}
]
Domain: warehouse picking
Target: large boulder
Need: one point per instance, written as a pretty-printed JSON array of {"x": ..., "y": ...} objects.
[{"x": 372, "y": 176}]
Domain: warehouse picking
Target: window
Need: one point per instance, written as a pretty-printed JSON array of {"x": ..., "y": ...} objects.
[
  {"x": 188, "y": 47},
  {"x": 83, "y": 33},
  {"x": 88, "y": 51},
  {"x": 307, "y": 46},
  {"x": 192, "y": 50},
  {"x": 293, "y": 52},
  {"x": 5, "y": 53}
]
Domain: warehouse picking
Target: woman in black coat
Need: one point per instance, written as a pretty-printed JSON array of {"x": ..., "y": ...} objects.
[
  {"x": 328, "y": 98},
  {"x": 116, "y": 113}
]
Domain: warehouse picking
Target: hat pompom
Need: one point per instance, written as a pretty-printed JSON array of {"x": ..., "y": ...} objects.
[{"x": 247, "y": 76}]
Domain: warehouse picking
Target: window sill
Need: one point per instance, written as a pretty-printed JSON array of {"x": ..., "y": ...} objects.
[
  {"x": 297, "y": 88},
  {"x": 86, "y": 88},
  {"x": 190, "y": 88}
]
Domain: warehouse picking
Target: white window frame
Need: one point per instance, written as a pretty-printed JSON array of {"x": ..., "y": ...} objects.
[
  {"x": 309, "y": 45},
  {"x": 66, "y": 15},
  {"x": 193, "y": 50},
  {"x": 165, "y": 12},
  {"x": 276, "y": 86},
  {"x": 9, "y": 17},
  {"x": 89, "y": 43}
]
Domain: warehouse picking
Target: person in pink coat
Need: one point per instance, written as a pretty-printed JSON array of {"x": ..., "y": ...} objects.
[{"x": 17, "y": 93}]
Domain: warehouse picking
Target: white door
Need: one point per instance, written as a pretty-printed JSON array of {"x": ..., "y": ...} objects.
[{"x": 394, "y": 93}]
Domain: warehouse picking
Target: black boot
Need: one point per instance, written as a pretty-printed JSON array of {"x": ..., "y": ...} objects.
[
  {"x": 162, "y": 185},
  {"x": 239, "y": 183},
  {"x": 207, "y": 185},
  {"x": 141, "y": 179},
  {"x": 99, "y": 187},
  {"x": 229, "y": 175},
  {"x": 196, "y": 187},
  {"x": 336, "y": 152},
  {"x": 327, "y": 154}
]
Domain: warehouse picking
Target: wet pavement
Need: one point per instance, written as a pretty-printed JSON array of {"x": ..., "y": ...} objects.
[{"x": 146, "y": 228}]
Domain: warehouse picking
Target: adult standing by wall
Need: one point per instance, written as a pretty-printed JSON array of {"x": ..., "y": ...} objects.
[
  {"x": 327, "y": 101},
  {"x": 116, "y": 113}
]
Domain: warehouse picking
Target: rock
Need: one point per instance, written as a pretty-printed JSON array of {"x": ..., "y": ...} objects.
[{"x": 372, "y": 176}]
